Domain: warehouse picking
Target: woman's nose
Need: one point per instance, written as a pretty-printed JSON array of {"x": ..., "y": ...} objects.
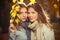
[{"x": 24, "y": 14}]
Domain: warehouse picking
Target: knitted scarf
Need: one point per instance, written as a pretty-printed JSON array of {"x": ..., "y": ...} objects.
[
  {"x": 25, "y": 26},
  {"x": 35, "y": 31}
]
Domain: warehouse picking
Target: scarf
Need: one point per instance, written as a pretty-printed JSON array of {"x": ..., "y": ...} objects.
[
  {"x": 25, "y": 26},
  {"x": 35, "y": 31}
]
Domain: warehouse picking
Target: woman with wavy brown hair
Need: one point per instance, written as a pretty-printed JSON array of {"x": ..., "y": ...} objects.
[{"x": 41, "y": 29}]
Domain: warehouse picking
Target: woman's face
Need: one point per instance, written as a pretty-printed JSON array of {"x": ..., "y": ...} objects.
[
  {"x": 23, "y": 14},
  {"x": 32, "y": 14}
]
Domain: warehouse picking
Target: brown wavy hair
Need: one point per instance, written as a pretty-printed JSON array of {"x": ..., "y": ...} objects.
[
  {"x": 41, "y": 16},
  {"x": 38, "y": 9}
]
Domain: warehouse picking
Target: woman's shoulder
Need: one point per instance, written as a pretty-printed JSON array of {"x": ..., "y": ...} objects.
[{"x": 46, "y": 28}]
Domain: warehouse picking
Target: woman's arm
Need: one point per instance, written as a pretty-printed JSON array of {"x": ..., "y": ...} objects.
[{"x": 11, "y": 32}]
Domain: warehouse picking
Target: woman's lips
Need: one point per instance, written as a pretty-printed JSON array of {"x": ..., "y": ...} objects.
[
  {"x": 24, "y": 18},
  {"x": 30, "y": 18}
]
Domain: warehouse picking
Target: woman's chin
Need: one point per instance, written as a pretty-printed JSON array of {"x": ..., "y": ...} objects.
[{"x": 31, "y": 20}]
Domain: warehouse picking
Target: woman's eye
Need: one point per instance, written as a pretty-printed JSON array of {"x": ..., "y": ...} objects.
[
  {"x": 33, "y": 12},
  {"x": 26, "y": 12},
  {"x": 21, "y": 12}
]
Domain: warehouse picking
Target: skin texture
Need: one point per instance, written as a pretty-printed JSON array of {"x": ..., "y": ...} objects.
[
  {"x": 23, "y": 14},
  {"x": 32, "y": 14}
]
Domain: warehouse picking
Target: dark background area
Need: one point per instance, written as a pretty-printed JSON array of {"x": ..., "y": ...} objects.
[
  {"x": 4, "y": 15},
  {"x": 5, "y": 7}
]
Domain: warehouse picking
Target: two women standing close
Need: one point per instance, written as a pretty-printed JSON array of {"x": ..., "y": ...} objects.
[{"x": 33, "y": 24}]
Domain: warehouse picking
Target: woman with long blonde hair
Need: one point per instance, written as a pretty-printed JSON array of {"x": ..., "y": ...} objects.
[{"x": 20, "y": 31}]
